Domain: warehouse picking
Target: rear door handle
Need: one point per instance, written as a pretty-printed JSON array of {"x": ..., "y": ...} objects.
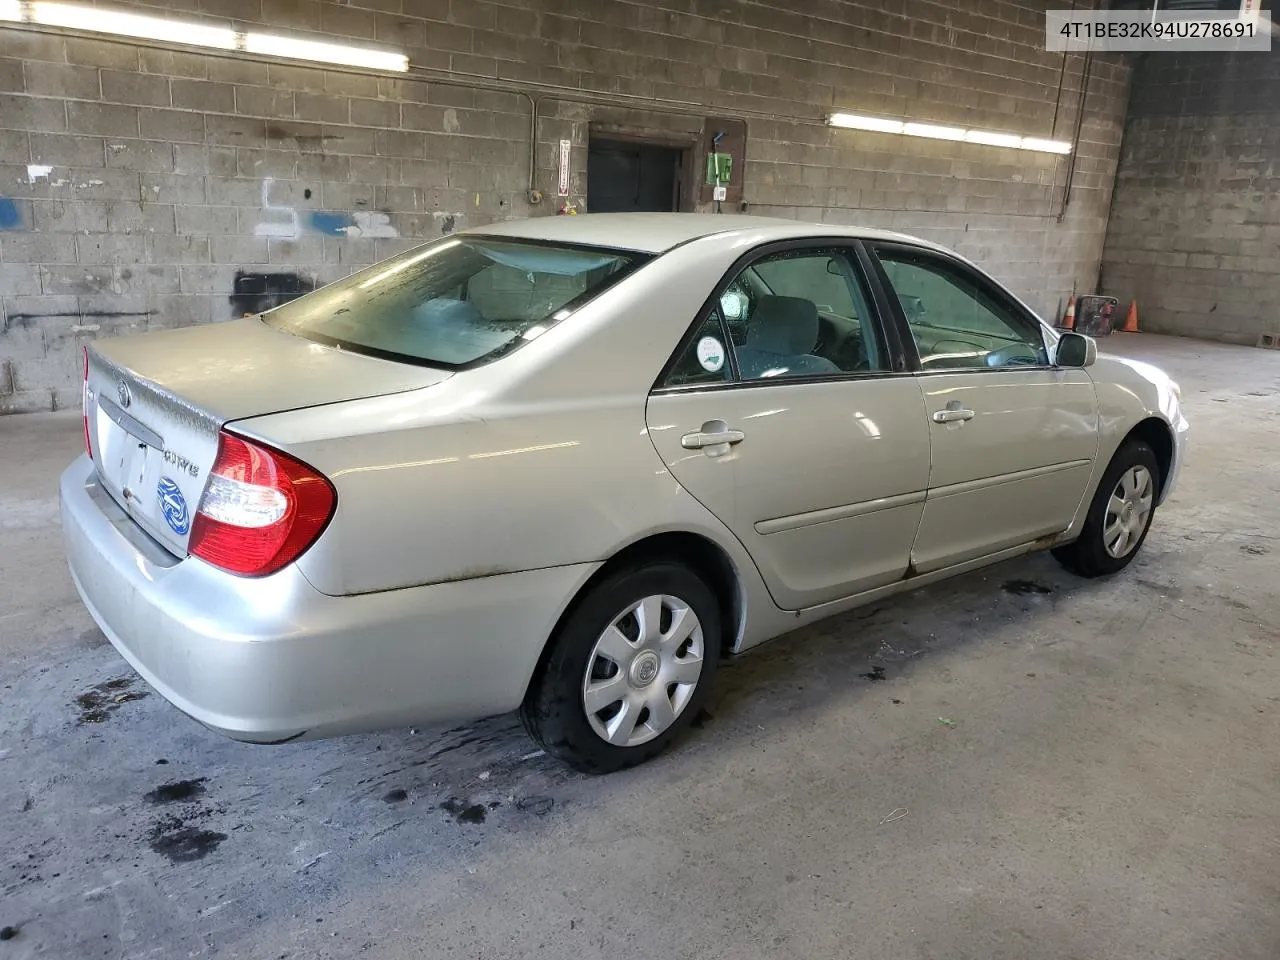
[
  {"x": 952, "y": 414},
  {"x": 696, "y": 441},
  {"x": 714, "y": 434}
]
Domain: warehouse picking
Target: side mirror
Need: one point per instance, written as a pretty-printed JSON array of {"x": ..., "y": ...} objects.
[{"x": 1076, "y": 350}]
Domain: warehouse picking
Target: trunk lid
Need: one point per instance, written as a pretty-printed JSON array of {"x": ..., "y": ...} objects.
[{"x": 156, "y": 403}]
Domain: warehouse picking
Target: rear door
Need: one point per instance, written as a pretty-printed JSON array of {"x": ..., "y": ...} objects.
[
  {"x": 1012, "y": 436},
  {"x": 785, "y": 416}
]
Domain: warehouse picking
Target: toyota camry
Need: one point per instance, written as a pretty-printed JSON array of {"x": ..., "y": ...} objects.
[{"x": 565, "y": 466}]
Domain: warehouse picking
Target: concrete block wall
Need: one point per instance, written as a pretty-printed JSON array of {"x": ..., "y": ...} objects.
[
  {"x": 143, "y": 188},
  {"x": 1195, "y": 230}
]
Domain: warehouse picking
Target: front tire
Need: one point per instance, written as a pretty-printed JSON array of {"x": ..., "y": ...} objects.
[
  {"x": 628, "y": 669},
  {"x": 1119, "y": 516}
]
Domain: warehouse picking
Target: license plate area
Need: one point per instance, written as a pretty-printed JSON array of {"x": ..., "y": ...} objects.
[{"x": 129, "y": 455}]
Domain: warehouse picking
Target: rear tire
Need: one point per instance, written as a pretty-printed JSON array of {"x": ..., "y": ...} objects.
[
  {"x": 1119, "y": 516},
  {"x": 628, "y": 669}
]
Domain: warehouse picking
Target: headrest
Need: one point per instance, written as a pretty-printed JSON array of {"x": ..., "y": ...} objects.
[{"x": 787, "y": 326}]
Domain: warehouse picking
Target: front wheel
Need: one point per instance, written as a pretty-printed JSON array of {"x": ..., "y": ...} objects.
[
  {"x": 628, "y": 669},
  {"x": 1119, "y": 516}
]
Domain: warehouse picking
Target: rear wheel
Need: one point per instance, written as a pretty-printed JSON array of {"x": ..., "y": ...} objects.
[
  {"x": 627, "y": 670},
  {"x": 1119, "y": 516}
]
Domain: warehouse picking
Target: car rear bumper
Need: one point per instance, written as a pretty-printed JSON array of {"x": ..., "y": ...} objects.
[{"x": 274, "y": 659}]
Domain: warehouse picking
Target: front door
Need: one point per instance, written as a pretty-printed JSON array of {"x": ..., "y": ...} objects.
[
  {"x": 783, "y": 416},
  {"x": 1013, "y": 437}
]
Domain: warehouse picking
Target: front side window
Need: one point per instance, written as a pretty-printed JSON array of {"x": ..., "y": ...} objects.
[
  {"x": 957, "y": 321},
  {"x": 454, "y": 302}
]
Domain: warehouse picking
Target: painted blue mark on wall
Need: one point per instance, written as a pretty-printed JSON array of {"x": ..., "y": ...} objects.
[
  {"x": 10, "y": 215},
  {"x": 330, "y": 222}
]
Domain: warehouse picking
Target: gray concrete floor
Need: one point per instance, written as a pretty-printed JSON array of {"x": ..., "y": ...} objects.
[{"x": 1108, "y": 787}]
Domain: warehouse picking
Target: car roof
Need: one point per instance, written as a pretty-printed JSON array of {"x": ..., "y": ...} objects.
[{"x": 660, "y": 232}]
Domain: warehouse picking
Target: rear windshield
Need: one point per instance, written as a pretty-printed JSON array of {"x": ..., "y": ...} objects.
[{"x": 455, "y": 302}]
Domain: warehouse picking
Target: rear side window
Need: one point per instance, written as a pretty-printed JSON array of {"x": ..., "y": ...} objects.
[
  {"x": 800, "y": 312},
  {"x": 455, "y": 302}
]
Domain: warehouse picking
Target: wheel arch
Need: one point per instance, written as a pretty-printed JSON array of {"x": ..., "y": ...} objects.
[
  {"x": 700, "y": 553},
  {"x": 1158, "y": 435}
]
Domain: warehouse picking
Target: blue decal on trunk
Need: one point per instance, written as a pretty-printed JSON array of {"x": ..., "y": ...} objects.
[{"x": 173, "y": 505}]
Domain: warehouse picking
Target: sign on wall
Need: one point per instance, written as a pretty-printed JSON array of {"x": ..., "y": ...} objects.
[{"x": 565, "y": 147}]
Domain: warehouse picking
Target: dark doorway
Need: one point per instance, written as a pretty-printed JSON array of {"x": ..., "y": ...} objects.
[{"x": 626, "y": 177}]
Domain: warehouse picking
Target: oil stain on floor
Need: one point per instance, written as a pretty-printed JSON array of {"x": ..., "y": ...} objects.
[
  {"x": 464, "y": 811},
  {"x": 173, "y": 838},
  {"x": 176, "y": 792},
  {"x": 98, "y": 703},
  {"x": 1025, "y": 587}
]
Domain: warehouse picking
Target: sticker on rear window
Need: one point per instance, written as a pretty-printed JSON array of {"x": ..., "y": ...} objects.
[
  {"x": 173, "y": 505},
  {"x": 710, "y": 354}
]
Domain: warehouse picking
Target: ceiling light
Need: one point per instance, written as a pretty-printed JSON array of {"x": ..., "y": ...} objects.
[
  {"x": 292, "y": 47},
  {"x": 1048, "y": 146},
  {"x": 75, "y": 16},
  {"x": 934, "y": 131},
  {"x": 993, "y": 139},
  {"x": 855, "y": 122},
  {"x": 98, "y": 20}
]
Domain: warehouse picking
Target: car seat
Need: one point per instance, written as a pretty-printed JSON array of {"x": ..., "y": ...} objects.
[{"x": 781, "y": 334}]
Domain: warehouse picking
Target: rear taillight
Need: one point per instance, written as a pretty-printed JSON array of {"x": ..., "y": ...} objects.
[
  {"x": 84, "y": 403},
  {"x": 260, "y": 511}
]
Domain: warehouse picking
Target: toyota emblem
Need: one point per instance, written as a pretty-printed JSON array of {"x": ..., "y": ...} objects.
[{"x": 122, "y": 392}]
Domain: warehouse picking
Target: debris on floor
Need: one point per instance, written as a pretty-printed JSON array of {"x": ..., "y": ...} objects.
[
  {"x": 1025, "y": 587},
  {"x": 538, "y": 806},
  {"x": 463, "y": 811}
]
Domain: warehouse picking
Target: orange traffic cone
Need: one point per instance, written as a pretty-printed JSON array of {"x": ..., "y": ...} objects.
[
  {"x": 1131, "y": 318},
  {"x": 1069, "y": 318}
]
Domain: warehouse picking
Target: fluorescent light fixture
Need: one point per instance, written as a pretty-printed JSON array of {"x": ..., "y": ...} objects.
[
  {"x": 1047, "y": 146},
  {"x": 993, "y": 139},
  {"x": 99, "y": 20},
  {"x": 855, "y": 122},
  {"x": 76, "y": 16},
  {"x": 934, "y": 131},
  {"x": 276, "y": 46}
]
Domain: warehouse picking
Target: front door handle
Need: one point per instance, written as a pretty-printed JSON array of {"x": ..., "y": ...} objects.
[
  {"x": 954, "y": 413},
  {"x": 715, "y": 438}
]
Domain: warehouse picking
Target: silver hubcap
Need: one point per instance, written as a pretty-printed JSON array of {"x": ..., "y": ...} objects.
[
  {"x": 1128, "y": 512},
  {"x": 643, "y": 670}
]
